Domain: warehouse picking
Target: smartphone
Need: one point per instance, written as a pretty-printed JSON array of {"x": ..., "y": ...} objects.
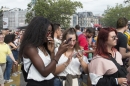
[
  {"x": 18, "y": 37},
  {"x": 74, "y": 55},
  {"x": 68, "y": 40},
  {"x": 80, "y": 51},
  {"x": 48, "y": 34},
  {"x": 90, "y": 48}
]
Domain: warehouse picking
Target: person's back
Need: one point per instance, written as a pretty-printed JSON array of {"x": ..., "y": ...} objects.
[
  {"x": 83, "y": 42},
  {"x": 78, "y": 32},
  {"x": 122, "y": 26},
  {"x": 122, "y": 41}
]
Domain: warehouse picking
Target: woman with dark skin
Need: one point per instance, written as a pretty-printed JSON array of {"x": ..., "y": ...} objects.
[{"x": 37, "y": 47}]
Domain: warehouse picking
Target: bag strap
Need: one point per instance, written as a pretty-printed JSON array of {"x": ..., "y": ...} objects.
[
  {"x": 124, "y": 72},
  {"x": 29, "y": 68},
  {"x": 115, "y": 62}
]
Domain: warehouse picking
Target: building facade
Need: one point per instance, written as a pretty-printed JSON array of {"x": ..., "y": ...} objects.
[
  {"x": 74, "y": 20},
  {"x": 87, "y": 19},
  {"x": 16, "y": 18}
]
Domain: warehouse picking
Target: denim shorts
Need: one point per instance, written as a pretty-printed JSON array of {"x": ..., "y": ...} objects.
[{"x": 15, "y": 54}]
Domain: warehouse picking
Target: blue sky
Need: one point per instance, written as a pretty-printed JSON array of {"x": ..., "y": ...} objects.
[{"x": 96, "y": 6}]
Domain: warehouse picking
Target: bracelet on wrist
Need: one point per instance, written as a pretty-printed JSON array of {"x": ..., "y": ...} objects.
[
  {"x": 65, "y": 64},
  {"x": 80, "y": 60},
  {"x": 55, "y": 61}
]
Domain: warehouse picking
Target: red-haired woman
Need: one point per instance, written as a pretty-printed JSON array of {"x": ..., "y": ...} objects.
[{"x": 104, "y": 69}]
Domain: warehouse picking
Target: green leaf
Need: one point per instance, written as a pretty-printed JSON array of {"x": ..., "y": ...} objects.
[
  {"x": 57, "y": 11},
  {"x": 111, "y": 14}
]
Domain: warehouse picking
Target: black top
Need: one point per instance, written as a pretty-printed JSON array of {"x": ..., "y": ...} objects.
[
  {"x": 12, "y": 47},
  {"x": 110, "y": 80},
  {"x": 122, "y": 41}
]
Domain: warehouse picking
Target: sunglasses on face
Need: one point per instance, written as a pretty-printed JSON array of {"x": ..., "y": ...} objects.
[
  {"x": 49, "y": 32},
  {"x": 114, "y": 37}
]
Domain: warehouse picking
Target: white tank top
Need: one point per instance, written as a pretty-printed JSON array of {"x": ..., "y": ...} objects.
[{"x": 33, "y": 72}]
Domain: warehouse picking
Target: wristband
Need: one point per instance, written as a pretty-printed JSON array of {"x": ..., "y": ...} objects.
[
  {"x": 65, "y": 64},
  {"x": 80, "y": 60},
  {"x": 55, "y": 61}
]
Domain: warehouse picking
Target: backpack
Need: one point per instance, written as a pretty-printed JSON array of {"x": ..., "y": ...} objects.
[{"x": 25, "y": 74}]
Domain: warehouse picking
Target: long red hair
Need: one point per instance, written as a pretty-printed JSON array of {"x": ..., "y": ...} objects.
[{"x": 101, "y": 48}]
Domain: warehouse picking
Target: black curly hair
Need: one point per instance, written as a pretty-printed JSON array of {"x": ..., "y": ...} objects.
[
  {"x": 35, "y": 33},
  {"x": 9, "y": 38}
]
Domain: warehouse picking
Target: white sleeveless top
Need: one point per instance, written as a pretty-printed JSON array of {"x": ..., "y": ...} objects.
[
  {"x": 33, "y": 72},
  {"x": 74, "y": 66}
]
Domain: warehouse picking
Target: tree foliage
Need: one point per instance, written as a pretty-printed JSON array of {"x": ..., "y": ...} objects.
[
  {"x": 58, "y": 11},
  {"x": 113, "y": 13},
  {"x": 126, "y": 1},
  {"x": 1, "y": 12}
]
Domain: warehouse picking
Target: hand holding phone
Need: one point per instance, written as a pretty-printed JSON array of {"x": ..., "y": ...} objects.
[
  {"x": 68, "y": 40},
  {"x": 74, "y": 55},
  {"x": 80, "y": 52},
  {"x": 48, "y": 34}
]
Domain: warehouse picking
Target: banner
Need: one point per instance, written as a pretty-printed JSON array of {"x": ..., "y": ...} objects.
[{"x": 5, "y": 22}]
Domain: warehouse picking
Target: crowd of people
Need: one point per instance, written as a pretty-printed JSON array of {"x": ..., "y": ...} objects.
[
  {"x": 9, "y": 48},
  {"x": 52, "y": 56}
]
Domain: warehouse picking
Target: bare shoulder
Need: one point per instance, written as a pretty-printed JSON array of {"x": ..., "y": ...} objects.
[{"x": 30, "y": 50}]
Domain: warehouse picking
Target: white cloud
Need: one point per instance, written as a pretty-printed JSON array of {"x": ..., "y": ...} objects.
[
  {"x": 20, "y": 0},
  {"x": 98, "y": 6},
  {"x": 15, "y": 3}
]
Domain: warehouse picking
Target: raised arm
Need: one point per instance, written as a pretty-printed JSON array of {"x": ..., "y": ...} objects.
[{"x": 32, "y": 54}]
